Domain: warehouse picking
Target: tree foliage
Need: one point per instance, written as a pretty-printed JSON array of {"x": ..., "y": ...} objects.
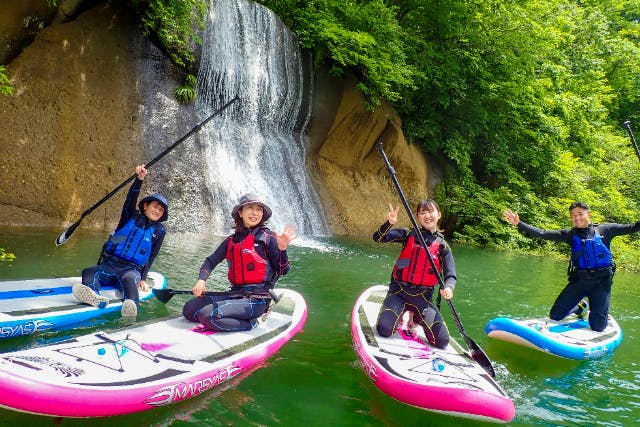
[
  {"x": 363, "y": 37},
  {"x": 6, "y": 256},
  {"x": 175, "y": 25},
  {"x": 5, "y": 83},
  {"x": 521, "y": 101}
]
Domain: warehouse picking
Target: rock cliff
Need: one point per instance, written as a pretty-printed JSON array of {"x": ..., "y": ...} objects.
[{"x": 73, "y": 130}]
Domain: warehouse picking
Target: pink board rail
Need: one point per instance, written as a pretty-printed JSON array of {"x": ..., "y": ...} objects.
[
  {"x": 141, "y": 368},
  {"x": 402, "y": 366}
]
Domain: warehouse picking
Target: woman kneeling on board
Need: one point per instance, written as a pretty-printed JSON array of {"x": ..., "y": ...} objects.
[
  {"x": 413, "y": 279},
  {"x": 256, "y": 257}
]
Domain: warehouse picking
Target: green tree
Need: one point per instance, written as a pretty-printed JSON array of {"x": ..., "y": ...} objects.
[
  {"x": 363, "y": 37},
  {"x": 520, "y": 102},
  {"x": 5, "y": 84},
  {"x": 174, "y": 24}
]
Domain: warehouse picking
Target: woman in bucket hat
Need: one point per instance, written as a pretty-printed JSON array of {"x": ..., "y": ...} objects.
[
  {"x": 256, "y": 257},
  {"x": 129, "y": 252}
]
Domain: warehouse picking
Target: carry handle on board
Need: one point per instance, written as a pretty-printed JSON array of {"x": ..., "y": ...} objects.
[{"x": 474, "y": 349}]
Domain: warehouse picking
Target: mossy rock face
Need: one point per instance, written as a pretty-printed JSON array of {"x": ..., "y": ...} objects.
[
  {"x": 75, "y": 124},
  {"x": 355, "y": 186},
  {"x": 71, "y": 127}
]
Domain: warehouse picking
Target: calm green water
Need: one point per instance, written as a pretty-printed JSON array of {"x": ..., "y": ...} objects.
[{"x": 315, "y": 379}]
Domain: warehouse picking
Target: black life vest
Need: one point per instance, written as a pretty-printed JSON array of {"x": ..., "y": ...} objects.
[
  {"x": 246, "y": 265},
  {"x": 131, "y": 243},
  {"x": 590, "y": 253},
  {"x": 413, "y": 266}
]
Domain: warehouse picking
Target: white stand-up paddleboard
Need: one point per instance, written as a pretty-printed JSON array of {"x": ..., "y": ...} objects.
[
  {"x": 570, "y": 337},
  {"x": 32, "y": 306},
  {"x": 408, "y": 369},
  {"x": 140, "y": 368}
]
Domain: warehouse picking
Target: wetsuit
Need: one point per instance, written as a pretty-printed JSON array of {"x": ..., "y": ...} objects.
[
  {"x": 583, "y": 281},
  {"x": 415, "y": 297},
  {"x": 123, "y": 274},
  {"x": 235, "y": 312}
]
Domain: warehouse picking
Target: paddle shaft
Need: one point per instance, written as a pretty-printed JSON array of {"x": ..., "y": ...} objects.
[
  {"x": 392, "y": 172},
  {"x": 627, "y": 125},
  {"x": 70, "y": 230},
  {"x": 172, "y": 292},
  {"x": 477, "y": 352}
]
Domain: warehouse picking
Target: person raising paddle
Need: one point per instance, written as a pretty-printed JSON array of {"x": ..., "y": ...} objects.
[
  {"x": 256, "y": 257},
  {"x": 591, "y": 266},
  {"x": 413, "y": 279},
  {"x": 129, "y": 252}
]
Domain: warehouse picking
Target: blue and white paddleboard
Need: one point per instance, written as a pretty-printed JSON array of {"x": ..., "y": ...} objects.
[
  {"x": 570, "y": 337},
  {"x": 36, "y": 305}
]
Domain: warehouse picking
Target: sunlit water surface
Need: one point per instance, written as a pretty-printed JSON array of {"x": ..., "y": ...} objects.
[{"x": 315, "y": 380}]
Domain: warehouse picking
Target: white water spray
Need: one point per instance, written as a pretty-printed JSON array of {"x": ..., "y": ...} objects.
[{"x": 258, "y": 144}]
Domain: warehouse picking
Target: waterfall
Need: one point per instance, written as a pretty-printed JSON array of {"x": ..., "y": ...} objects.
[{"x": 258, "y": 144}]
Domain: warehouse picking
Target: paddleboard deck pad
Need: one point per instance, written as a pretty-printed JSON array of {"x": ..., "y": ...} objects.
[
  {"x": 570, "y": 337},
  {"x": 411, "y": 371},
  {"x": 140, "y": 368},
  {"x": 31, "y": 306}
]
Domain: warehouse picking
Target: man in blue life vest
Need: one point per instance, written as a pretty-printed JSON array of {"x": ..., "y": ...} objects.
[
  {"x": 591, "y": 267},
  {"x": 129, "y": 252}
]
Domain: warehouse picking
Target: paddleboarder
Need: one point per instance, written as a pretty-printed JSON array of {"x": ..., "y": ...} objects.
[
  {"x": 591, "y": 266},
  {"x": 129, "y": 252},
  {"x": 413, "y": 279},
  {"x": 256, "y": 257}
]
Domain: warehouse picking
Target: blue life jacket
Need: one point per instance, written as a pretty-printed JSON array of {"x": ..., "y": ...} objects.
[
  {"x": 131, "y": 243},
  {"x": 590, "y": 253}
]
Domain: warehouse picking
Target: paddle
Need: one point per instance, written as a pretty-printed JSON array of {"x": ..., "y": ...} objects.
[
  {"x": 66, "y": 234},
  {"x": 627, "y": 124},
  {"x": 476, "y": 352},
  {"x": 164, "y": 295}
]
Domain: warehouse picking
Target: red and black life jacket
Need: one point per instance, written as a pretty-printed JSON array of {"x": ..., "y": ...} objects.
[
  {"x": 414, "y": 267},
  {"x": 246, "y": 265}
]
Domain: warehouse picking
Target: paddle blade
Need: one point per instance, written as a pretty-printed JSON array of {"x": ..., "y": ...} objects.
[
  {"x": 163, "y": 295},
  {"x": 480, "y": 356},
  {"x": 66, "y": 234}
]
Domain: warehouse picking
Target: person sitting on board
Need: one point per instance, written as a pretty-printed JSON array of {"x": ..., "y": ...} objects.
[
  {"x": 413, "y": 279},
  {"x": 591, "y": 266},
  {"x": 256, "y": 257},
  {"x": 129, "y": 252}
]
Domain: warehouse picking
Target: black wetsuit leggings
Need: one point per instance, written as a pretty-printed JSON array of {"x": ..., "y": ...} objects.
[
  {"x": 596, "y": 287},
  {"x": 224, "y": 312},
  {"x": 122, "y": 276},
  {"x": 416, "y": 299}
]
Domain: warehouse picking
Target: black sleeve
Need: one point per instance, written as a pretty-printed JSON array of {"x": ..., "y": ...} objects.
[
  {"x": 386, "y": 234},
  {"x": 278, "y": 259},
  {"x": 214, "y": 259},
  {"x": 129, "y": 208},
  {"x": 563, "y": 235},
  {"x": 611, "y": 230},
  {"x": 448, "y": 266}
]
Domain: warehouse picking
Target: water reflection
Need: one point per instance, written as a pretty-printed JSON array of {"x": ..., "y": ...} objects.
[{"x": 317, "y": 373}]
